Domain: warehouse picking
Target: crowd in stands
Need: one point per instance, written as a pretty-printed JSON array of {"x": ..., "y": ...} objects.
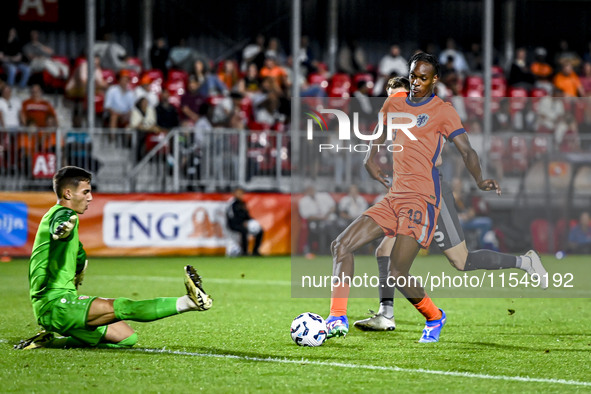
[{"x": 251, "y": 90}]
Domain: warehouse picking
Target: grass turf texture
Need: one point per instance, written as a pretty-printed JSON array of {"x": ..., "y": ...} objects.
[{"x": 543, "y": 339}]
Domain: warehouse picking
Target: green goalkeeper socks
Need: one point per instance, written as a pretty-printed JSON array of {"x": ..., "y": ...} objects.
[{"x": 146, "y": 310}]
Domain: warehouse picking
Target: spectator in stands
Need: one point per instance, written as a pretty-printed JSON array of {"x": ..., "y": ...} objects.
[
  {"x": 144, "y": 90},
  {"x": 13, "y": 61},
  {"x": 502, "y": 118},
  {"x": 240, "y": 221},
  {"x": 113, "y": 56},
  {"x": 159, "y": 55},
  {"x": 119, "y": 102},
  {"x": 579, "y": 236},
  {"x": 306, "y": 56},
  {"x": 392, "y": 64},
  {"x": 10, "y": 110},
  {"x": 586, "y": 78},
  {"x": 460, "y": 64},
  {"x": 351, "y": 58},
  {"x": 40, "y": 58},
  {"x": 75, "y": 88},
  {"x": 351, "y": 207},
  {"x": 274, "y": 50},
  {"x": 565, "y": 55},
  {"x": 542, "y": 70},
  {"x": 568, "y": 81},
  {"x": 209, "y": 84},
  {"x": 273, "y": 70},
  {"x": 143, "y": 120},
  {"x": 227, "y": 112},
  {"x": 167, "y": 116},
  {"x": 229, "y": 74},
  {"x": 474, "y": 58},
  {"x": 551, "y": 113},
  {"x": 37, "y": 111},
  {"x": 254, "y": 53},
  {"x": 520, "y": 74},
  {"x": 318, "y": 209},
  {"x": 251, "y": 83},
  {"x": 191, "y": 101}
]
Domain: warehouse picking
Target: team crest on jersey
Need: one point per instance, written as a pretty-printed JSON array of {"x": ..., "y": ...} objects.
[{"x": 422, "y": 120}]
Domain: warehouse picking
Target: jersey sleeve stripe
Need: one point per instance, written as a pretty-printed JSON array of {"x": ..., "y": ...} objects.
[
  {"x": 435, "y": 174},
  {"x": 456, "y": 133}
]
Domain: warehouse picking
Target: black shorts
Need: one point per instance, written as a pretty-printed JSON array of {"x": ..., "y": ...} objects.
[{"x": 448, "y": 232}]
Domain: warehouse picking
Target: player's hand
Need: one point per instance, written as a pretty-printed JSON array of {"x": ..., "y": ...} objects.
[
  {"x": 488, "y": 185},
  {"x": 64, "y": 229},
  {"x": 376, "y": 173},
  {"x": 80, "y": 276}
]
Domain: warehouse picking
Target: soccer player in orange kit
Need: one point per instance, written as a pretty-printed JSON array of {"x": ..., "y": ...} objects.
[{"x": 409, "y": 211}]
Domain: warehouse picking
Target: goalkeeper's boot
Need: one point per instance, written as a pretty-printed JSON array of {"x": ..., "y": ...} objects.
[
  {"x": 195, "y": 290},
  {"x": 433, "y": 329},
  {"x": 377, "y": 322},
  {"x": 536, "y": 268},
  {"x": 42, "y": 339},
  {"x": 337, "y": 326}
]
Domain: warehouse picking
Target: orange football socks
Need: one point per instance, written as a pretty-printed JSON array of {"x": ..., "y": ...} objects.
[{"x": 428, "y": 309}]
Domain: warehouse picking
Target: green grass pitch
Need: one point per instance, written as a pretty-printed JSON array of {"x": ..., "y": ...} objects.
[{"x": 243, "y": 344}]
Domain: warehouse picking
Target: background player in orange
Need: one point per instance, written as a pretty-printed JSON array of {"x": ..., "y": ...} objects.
[
  {"x": 409, "y": 211},
  {"x": 449, "y": 236}
]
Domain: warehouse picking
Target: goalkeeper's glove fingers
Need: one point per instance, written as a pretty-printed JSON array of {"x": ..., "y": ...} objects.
[{"x": 64, "y": 229}]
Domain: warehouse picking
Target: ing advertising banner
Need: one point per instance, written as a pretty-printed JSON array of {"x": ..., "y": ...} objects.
[{"x": 148, "y": 224}]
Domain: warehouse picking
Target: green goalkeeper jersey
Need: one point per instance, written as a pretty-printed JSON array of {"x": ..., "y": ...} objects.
[{"x": 54, "y": 264}]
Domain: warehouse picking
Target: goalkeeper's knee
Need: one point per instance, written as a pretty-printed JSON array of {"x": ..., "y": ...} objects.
[{"x": 129, "y": 341}]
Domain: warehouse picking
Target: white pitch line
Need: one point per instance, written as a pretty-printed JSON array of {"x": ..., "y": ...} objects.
[{"x": 370, "y": 367}]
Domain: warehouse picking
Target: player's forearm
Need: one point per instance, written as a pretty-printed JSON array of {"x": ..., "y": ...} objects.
[{"x": 473, "y": 164}]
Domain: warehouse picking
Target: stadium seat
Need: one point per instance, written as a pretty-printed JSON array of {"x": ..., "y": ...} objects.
[
  {"x": 497, "y": 149},
  {"x": 536, "y": 95},
  {"x": 109, "y": 76},
  {"x": 176, "y": 88},
  {"x": 135, "y": 61},
  {"x": 539, "y": 146},
  {"x": 177, "y": 75},
  {"x": 497, "y": 71},
  {"x": 53, "y": 83},
  {"x": 540, "y": 235},
  {"x": 367, "y": 77},
  {"x": 516, "y": 159},
  {"x": 473, "y": 86},
  {"x": 318, "y": 79},
  {"x": 340, "y": 85},
  {"x": 518, "y": 99}
]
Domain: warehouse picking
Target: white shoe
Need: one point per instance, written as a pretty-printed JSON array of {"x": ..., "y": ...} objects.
[
  {"x": 377, "y": 322},
  {"x": 537, "y": 268}
]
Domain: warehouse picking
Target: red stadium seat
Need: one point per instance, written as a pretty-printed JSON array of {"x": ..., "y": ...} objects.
[
  {"x": 518, "y": 99},
  {"x": 536, "y": 95},
  {"x": 135, "y": 61},
  {"x": 539, "y": 146},
  {"x": 540, "y": 235},
  {"x": 109, "y": 76},
  {"x": 177, "y": 75},
  {"x": 497, "y": 149},
  {"x": 59, "y": 83},
  {"x": 176, "y": 88},
  {"x": 318, "y": 79},
  {"x": 473, "y": 86},
  {"x": 340, "y": 85},
  {"x": 516, "y": 156},
  {"x": 368, "y": 78}
]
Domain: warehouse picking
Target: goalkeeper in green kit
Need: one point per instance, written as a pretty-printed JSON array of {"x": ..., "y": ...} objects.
[{"x": 56, "y": 269}]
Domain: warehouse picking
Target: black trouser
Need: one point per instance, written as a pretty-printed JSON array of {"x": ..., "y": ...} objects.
[{"x": 244, "y": 239}]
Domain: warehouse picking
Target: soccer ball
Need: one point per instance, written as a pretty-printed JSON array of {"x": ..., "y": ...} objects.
[{"x": 308, "y": 329}]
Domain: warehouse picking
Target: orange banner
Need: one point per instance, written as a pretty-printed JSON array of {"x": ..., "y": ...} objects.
[{"x": 148, "y": 224}]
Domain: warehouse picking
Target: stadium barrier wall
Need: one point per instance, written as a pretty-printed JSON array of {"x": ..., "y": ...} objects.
[{"x": 148, "y": 224}]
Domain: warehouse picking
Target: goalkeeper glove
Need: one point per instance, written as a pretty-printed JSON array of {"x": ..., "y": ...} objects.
[{"x": 64, "y": 229}]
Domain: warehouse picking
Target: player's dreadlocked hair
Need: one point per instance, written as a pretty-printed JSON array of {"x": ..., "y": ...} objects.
[
  {"x": 425, "y": 57},
  {"x": 398, "y": 82},
  {"x": 69, "y": 176}
]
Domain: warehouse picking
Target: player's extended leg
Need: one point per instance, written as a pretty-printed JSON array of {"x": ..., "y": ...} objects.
[
  {"x": 384, "y": 319},
  {"x": 403, "y": 254},
  {"x": 362, "y": 231},
  {"x": 105, "y": 311}
]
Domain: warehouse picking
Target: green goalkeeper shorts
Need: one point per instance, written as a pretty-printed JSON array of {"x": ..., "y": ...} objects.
[{"x": 67, "y": 315}]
